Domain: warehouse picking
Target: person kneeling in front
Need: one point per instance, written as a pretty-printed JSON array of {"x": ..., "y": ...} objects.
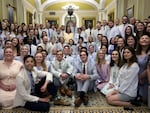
[{"x": 26, "y": 94}]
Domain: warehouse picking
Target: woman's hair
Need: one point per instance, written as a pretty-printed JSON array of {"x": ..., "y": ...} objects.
[
  {"x": 67, "y": 28},
  {"x": 106, "y": 40},
  {"x": 43, "y": 35},
  {"x": 132, "y": 59},
  {"x": 139, "y": 47},
  {"x": 97, "y": 58},
  {"x": 28, "y": 56},
  {"x": 126, "y": 35},
  {"x": 38, "y": 47},
  {"x": 135, "y": 45},
  {"x": 148, "y": 60},
  {"x": 139, "y": 33},
  {"x": 90, "y": 39},
  {"x": 17, "y": 46},
  {"x": 112, "y": 63},
  {"x": 43, "y": 62},
  {"x": 106, "y": 48}
]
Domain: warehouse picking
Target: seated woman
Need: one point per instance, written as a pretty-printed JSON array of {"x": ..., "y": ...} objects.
[
  {"x": 127, "y": 81},
  {"x": 114, "y": 69},
  {"x": 148, "y": 74},
  {"x": 9, "y": 69},
  {"x": 40, "y": 62},
  {"x": 103, "y": 70},
  {"x": 26, "y": 94}
]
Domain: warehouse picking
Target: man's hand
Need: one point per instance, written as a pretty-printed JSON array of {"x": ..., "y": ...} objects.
[
  {"x": 64, "y": 76},
  {"x": 82, "y": 77},
  {"x": 46, "y": 99},
  {"x": 44, "y": 87}
]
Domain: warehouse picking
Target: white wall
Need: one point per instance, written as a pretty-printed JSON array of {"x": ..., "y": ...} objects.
[{"x": 79, "y": 16}]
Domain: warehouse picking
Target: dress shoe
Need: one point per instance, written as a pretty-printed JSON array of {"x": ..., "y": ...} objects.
[
  {"x": 85, "y": 100},
  {"x": 62, "y": 91},
  {"x": 78, "y": 102},
  {"x": 68, "y": 92},
  {"x": 61, "y": 102}
]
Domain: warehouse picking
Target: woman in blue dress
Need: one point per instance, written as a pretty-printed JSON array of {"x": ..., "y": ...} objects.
[{"x": 142, "y": 55}]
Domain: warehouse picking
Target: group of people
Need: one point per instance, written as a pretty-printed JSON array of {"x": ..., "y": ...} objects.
[{"x": 37, "y": 62}]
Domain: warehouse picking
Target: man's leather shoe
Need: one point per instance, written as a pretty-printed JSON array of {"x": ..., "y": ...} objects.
[
  {"x": 85, "y": 100},
  {"x": 61, "y": 102},
  {"x": 68, "y": 92},
  {"x": 78, "y": 102},
  {"x": 62, "y": 91}
]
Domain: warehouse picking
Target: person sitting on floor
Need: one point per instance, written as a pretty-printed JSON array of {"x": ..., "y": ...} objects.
[
  {"x": 85, "y": 75},
  {"x": 31, "y": 93},
  {"x": 148, "y": 75},
  {"x": 61, "y": 70},
  {"x": 103, "y": 70},
  {"x": 9, "y": 69},
  {"x": 114, "y": 69},
  {"x": 127, "y": 82}
]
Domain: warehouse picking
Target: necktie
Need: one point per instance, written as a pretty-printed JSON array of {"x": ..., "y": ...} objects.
[
  {"x": 59, "y": 65},
  {"x": 83, "y": 69},
  {"x": 30, "y": 49},
  {"x": 32, "y": 83},
  {"x": 49, "y": 33},
  {"x": 74, "y": 30}
]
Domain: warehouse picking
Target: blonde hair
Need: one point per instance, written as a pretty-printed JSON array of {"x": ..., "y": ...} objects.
[
  {"x": 98, "y": 60},
  {"x": 43, "y": 62}
]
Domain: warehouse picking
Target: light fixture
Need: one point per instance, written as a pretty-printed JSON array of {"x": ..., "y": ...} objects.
[{"x": 70, "y": 6}]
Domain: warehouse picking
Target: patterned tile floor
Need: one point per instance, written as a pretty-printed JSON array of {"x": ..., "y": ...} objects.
[{"x": 97, "y": 104}]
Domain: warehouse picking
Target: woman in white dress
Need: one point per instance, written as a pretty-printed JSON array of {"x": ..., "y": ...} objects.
[{"x": 114, "y": 69}]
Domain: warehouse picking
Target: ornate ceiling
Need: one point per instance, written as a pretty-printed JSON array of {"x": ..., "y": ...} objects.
[{"x": 58, "y": 4}]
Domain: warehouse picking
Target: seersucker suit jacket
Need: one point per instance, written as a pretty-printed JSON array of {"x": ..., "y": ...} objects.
[
  {"x": 91, "y": 69},
  {"x": 66, "y": 67}
]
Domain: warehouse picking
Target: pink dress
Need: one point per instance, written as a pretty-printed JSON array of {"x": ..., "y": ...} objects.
[
  {"x": 104, "y": 75},
  {"x": 8, "y": 77}
]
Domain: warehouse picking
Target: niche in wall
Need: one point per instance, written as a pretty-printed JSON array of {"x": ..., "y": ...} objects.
[
  {"x": 111, "y": 16},
  {"x": 89, "y": 20},
  {"x": 53, "y": 21}
]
